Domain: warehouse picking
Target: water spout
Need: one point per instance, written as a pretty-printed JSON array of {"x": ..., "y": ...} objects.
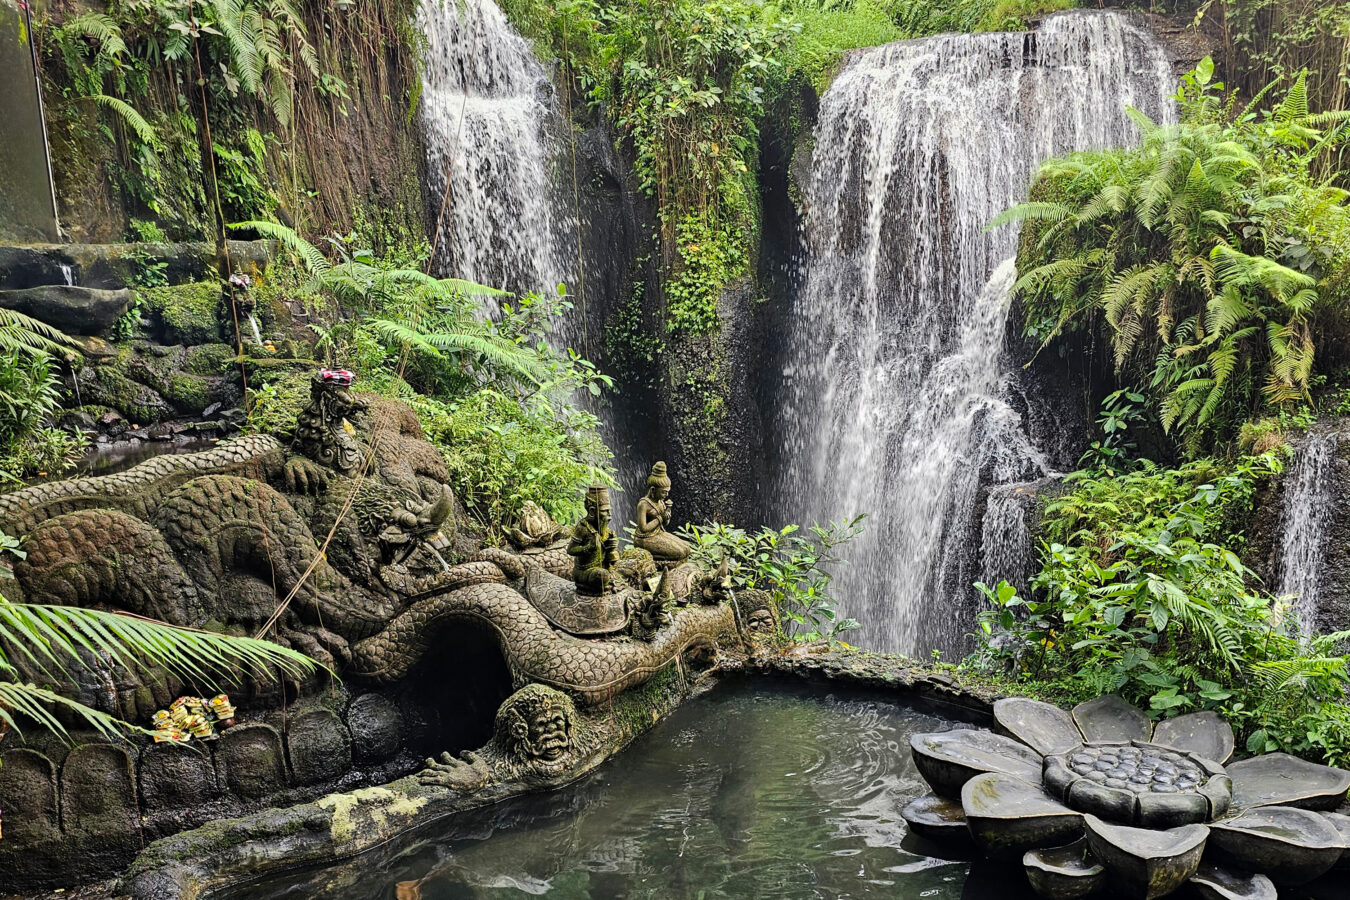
[{"x": 253, "y": 324}]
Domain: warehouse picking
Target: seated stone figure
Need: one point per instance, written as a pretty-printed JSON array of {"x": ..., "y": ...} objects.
[
  {"x": 653, "y": 515},
  {"x": 594, "y": 548}
]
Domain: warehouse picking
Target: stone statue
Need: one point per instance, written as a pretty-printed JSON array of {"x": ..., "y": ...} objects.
[
  {"x": 757, "y": 613},
  {"x": 711, "y": 588},
  {"x": 324, "y": 432},
  {"x": 536, "y": 735},
  {"x": 653, "y": 516},
  {"x": 536, "y": 528},
  {"x": 594, "y": 548}
]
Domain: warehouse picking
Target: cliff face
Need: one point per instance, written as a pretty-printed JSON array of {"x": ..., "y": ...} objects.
[{"x": 353, "y": 153}]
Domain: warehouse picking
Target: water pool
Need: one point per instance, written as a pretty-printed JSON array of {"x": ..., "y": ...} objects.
[{"x": 748, "y": 792}]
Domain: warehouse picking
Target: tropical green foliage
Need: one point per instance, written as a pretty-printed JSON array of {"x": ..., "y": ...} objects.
[
  {"x": 1142, "y": 592},
  {"x": 793, "y": 567},
  {"x": 494, "y": 395},
  {"x": 1206, "y": 254},
  {"x": 30, "y": 396}
]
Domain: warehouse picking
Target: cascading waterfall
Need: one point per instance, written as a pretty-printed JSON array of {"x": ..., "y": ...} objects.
[
  {"x": 495, "y": 128},
  {"x": 893, "y": 397},
  {"x": 1309, "y": 495},
  {"x": 1006, "y": 551},
  {"x": 490, "y": 115}
]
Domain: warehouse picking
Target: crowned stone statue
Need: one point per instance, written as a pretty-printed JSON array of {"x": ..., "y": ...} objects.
[{"x": 653, "y": 516}]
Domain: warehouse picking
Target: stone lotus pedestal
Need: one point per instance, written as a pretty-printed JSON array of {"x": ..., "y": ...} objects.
[{"x": 1098, "y": 800}]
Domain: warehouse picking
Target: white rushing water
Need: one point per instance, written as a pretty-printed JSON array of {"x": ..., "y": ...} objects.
[
  {"x": 1309, "y": 495},
  {"x": 490, "y": 115},
  {"x": 894, "y": 397},
  {"x": 1006, "y": 552}
]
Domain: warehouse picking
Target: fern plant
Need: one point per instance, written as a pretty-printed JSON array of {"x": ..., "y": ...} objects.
[
  {"x": 1206, "y": 253},
  {"x": 438, "y": 319}
]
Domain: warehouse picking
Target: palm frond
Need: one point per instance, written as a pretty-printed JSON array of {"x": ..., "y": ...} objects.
[{"x": 51, "y": 637}]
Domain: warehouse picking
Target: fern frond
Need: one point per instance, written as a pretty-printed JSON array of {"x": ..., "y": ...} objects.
[
  {"x": 308, "y": 253},
  {"x": 144, "y": 132}
]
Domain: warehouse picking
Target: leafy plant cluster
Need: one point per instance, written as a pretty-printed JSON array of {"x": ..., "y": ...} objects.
[
  {"x": 1208, "y": 256},
  {"x": 214, "y": 53},
  {"x": 494, "y": 395},
  {"x": 685, "y": 81},
  {"x": 30, "y": 397},
  {"x": 1141, "y": 593},
  {"x": 791, "y": 565}
]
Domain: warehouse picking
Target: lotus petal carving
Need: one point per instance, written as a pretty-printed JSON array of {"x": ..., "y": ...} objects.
[
  {"x": 1203, "y": 733},
  {"x": 1099, "y": 798},
  {"x": 1278, "y": 779},
  {"x": 1109, "y": 719},
  {"x": 1064, "y": 873},
  {"x": 948, "y": 759},
  {"x": 1292, "y": 846},
  {"x": 1008, "y": 816},
  {"x": 1144, "y": 863},
  {"x": 1214, "y": 883},
  {"x": 1044, "y": 728},
  {"x": 936, "y": 818}
]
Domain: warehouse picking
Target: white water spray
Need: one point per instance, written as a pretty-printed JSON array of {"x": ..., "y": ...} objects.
[
  {"x": 1309, "y": 496},
  {"x": 489, "y": 112},
  {"x": 894, "y": 398}
]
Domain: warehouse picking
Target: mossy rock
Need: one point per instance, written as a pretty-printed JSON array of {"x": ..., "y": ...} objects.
[
  {"x": 208, "y": 359},
  {"x": 273, "y": 408},
  {"x": 190, "y": 393},
  {"x": 186, "y": 313},
  {"x": 109, "y": 386}
]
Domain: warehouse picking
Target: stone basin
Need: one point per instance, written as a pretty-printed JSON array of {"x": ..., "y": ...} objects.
[
  {"x": 949, "y": 759},
  {"x": 1063, "y": 873},
  {"x": 1291, "y": 846},
  {"x": 936, "y": 818}
]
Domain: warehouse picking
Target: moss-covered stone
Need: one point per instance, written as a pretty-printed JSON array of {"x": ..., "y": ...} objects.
[
  {"x": 186, "y": 313},
  {"x": 189, "y": 393},
  {"x": 208, "y": 359}
]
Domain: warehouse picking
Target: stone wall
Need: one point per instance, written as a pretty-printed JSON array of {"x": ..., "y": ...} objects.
[{"x": 72, "y": 812}]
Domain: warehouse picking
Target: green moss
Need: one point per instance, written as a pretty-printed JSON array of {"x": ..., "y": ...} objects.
[
  {"x": 188, "y": 313},
  {"x": 273, "y": 408},
  {"x": 190, "y": 393},
  {"x": 208, "y": 359}
]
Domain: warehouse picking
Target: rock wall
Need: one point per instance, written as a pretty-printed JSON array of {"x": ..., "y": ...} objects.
[{"x": 72, "y": 812}]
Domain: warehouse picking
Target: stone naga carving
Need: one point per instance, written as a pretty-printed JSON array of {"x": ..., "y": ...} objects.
[{"x": 229, "y": 535}]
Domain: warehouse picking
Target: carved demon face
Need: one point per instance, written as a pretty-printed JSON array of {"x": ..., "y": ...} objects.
[
  {"x": 536, "y": 725},
  {"x": 760, "y": 621}
]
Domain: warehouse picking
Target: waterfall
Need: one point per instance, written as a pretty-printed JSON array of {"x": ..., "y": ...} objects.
[
  {"x": 1006, "y": 550},
  {"x": 494, "y": 126},
  {"x": 68, "y": 275},
  {"x": 491, "y": 117},
  {"x": 1309, "y": 496},
  {"x": 892, "y": 397}
]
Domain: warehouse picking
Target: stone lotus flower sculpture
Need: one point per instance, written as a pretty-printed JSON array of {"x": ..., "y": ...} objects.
[{"x": 1100, "y": 799}]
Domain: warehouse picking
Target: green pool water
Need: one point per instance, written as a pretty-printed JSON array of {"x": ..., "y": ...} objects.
[{"x": 748, "y": 792}]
